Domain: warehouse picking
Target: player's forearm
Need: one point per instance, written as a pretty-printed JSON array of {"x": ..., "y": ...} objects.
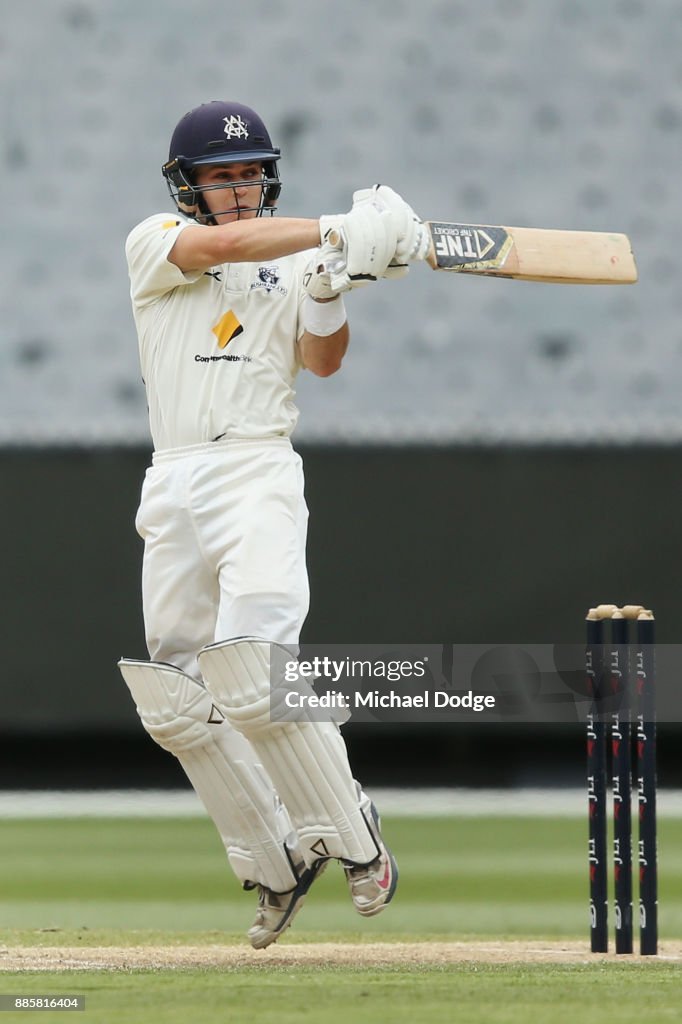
[
  {"x": 245, "y": 241},
  {"x": 323, "y": 356}
]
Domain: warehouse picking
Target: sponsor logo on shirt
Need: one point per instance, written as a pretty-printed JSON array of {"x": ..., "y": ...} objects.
[
  {"x": 227, "y": 328},
  {"x": 224, "y": 358}
]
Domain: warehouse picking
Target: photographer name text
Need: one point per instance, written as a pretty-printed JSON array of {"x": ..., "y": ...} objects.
[{"x": 466, "y": 700}]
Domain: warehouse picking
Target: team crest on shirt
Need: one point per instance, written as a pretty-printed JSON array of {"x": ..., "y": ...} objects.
[{"x": 268, "y": 279}]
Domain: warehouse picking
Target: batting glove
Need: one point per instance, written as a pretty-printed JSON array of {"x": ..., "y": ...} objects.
[
  {"x": 317, "y": 275},
  {"x": 367, "y": 241},
  {"x": 414, "y": 241}
]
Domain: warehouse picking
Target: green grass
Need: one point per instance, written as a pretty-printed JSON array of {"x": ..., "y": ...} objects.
[
  {"x": 459, "y": 878},
  {"x": 165, "y": 882},
  {"x": 468, "y": 994}
]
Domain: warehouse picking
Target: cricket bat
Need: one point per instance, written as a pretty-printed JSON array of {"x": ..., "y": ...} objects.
[{"x": 532, "y": 254}]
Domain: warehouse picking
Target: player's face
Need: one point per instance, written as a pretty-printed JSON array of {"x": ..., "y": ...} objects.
[{"x": 244, "y": 183}]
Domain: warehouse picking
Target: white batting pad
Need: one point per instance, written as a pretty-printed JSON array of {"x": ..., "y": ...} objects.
[
  {"x": 307, "y": 761},
  {"x": 181, "y": 716}
]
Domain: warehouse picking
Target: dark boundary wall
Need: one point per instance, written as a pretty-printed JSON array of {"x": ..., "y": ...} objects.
[{"x": 462, "y": 545}]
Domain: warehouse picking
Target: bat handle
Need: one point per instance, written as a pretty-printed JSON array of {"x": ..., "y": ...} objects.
[
  {"x": 334, "y": 239},
  {"x": 431, "y": 257}
]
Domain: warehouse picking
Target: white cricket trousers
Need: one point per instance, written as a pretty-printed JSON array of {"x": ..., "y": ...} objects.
[{"x": 224, "y": 528}]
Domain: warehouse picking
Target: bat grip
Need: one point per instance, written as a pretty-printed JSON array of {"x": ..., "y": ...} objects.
[
  {"x": 334, "y": 239},
  {"x": 431, "y": 257}
]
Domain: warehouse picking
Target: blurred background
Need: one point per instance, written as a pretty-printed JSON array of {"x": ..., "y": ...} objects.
[{"x": 494, "y": 458}]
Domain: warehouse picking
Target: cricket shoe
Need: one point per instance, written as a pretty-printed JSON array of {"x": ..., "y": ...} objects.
[
  {"x": 276, "y": 910},
  {"x": 372, "y": 885}
]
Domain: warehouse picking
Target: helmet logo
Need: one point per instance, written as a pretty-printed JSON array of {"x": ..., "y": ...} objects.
[{"x": 235, "y": 128}]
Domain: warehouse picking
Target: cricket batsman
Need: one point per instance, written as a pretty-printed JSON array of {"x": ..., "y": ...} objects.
[{"x": 230, "y": 303}]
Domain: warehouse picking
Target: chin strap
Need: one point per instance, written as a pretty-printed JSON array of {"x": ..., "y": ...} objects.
[{"x": 206, "y": 215}]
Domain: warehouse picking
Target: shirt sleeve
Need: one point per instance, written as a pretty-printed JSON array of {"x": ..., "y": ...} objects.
[
  {"x": 303, "y": 259},
  {"x": 147, "y": 248},
  {"x": 302, "y": 263}
]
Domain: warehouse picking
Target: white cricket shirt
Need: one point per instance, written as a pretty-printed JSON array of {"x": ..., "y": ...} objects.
[{"x": 217, "y": 348}]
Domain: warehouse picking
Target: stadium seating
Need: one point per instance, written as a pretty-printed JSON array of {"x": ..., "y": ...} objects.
[{"x": 555, "y": 113}]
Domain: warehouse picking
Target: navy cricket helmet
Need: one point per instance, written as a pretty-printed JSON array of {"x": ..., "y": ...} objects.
[{"x": 219, "y": 133}]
